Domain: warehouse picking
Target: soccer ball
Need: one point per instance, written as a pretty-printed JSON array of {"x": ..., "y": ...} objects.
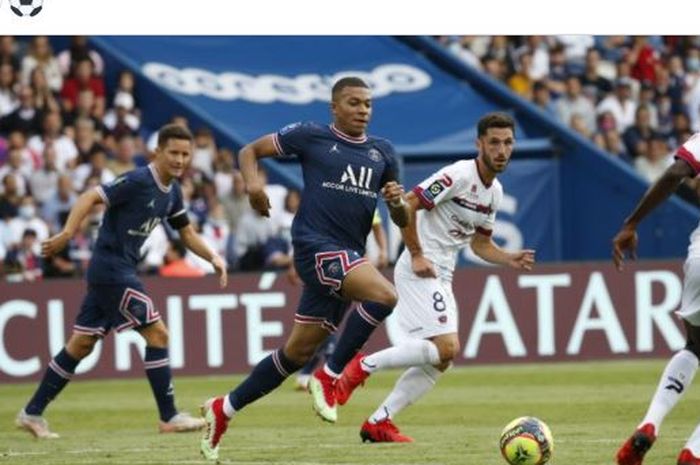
[
  {"x": 526, "y": 441},
  {"x": 26, "y": 7}
]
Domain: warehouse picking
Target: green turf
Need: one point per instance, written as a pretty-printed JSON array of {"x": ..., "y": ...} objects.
[{"x": 590, "y": 407}]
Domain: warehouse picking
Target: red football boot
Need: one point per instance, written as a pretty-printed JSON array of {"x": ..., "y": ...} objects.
[
  {"x": 633, "y": 450},
  {"x": 383, "y": 431},
  {"x": 687, "y": 458},
  {"x": 353, "y": 376}
]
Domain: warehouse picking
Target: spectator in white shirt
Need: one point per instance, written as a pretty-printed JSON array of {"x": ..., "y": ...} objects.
[{"x": 66, "y": 151}]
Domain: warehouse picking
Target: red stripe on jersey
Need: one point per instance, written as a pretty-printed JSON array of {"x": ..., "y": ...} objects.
[
  {"x": 685, "y": 155},
  {"x": 347, "y": 137},
  {"x": 427, "y": 204}
]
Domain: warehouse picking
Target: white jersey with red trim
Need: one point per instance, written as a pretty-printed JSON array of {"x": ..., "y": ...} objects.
[
  {"x": 457, "y": 204},
  {"x": 690, "y": 153}
]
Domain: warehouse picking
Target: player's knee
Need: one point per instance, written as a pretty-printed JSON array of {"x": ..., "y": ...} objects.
[
  {"x": 157, "y": 337},
  {"x": 388, "y": 297},
  {"x": 693, "y": 346},
  {"x": 162, "y": 338},
  {"x": 80, "y": 346},
  {"x": 693, "y": 339},
  {"x": 448, "y": 350},
  {"x": 443, "y": 366}
]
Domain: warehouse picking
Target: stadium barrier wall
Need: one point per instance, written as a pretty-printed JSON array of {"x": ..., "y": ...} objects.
[{"x": 567, "y": 312}]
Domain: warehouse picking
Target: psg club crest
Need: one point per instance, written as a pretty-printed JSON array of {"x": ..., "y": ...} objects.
[
  {"x": 26, "y": 8},
  {"x": 374, "y": 154}
]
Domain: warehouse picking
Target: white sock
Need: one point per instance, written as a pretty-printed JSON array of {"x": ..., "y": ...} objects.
[
  {"x": 694, "y": 442},
  {"x": 330, "y": 372},
  {"x": 674, "y": 382},
  {"x": 413, "y": 384},
  {"x": 413, "y": 352},
  {"x": 228, "y": 408},
  {"x": 303, "y": 380}
]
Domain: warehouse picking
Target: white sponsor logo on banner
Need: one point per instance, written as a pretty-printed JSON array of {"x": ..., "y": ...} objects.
[{"x": 271, "y": 88}]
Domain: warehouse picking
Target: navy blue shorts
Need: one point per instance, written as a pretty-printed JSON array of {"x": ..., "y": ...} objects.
[
  {"x": 114, "y": 306},
  {"x": 323, "y": 269}
]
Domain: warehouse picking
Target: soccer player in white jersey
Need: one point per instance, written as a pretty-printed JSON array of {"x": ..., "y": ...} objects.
[
  {"x": 680, "y": 370},
  {"x": 453, "y": 208}
]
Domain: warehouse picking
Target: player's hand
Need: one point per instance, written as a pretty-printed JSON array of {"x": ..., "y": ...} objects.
[
  {"x": 293, "y": 276},
  {"x": 54, "y": 244},
  {"x": 625, "y": 242},
  {"x": 422, "y": 267},
  {"x": 260, "y": 202},
  {"x": 393, "y": 193},
  {"x": 220, "y": 268},
  {"x": 522, "y": 260}
]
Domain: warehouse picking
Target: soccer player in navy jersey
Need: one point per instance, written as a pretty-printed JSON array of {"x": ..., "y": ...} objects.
[
  {"x": 136, "y": 203},
  {"x": 345, "y": 171}
]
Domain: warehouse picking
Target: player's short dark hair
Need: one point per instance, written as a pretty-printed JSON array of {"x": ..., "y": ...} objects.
[
  {"x": 495, "y": 120},
  {"x": 173, "y": 131},
  {"x": 350, "y": 81}
]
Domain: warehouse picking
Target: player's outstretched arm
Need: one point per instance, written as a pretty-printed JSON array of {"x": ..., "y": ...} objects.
[
  {"x": 78, "y": 212},
  {"x": 394, "y": 197},
  {"x": 196, "y": 244},
  {"x": 485, "y": 248},
  {"x": 625, "y": 241},
  {"x": 248, "y": 161}
]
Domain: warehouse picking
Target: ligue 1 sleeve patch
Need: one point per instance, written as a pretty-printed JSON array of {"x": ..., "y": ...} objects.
[
  {"x": 26, "y": 8},
  {"x": 434, "y": 190},
  {"x": 289, "y": 128}
]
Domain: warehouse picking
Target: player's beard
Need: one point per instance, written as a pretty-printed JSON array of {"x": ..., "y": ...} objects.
[{"x": 493, "y": 166}]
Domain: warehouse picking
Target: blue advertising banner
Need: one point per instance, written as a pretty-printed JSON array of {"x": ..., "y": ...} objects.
[{"x": 250, "y": 86}]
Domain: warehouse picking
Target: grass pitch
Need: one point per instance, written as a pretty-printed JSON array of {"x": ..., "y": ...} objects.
[{"x": 590, "y": 407}]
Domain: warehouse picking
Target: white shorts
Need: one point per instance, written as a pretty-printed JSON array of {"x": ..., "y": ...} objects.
[
  {"x": 690, "y": 299},
  {"x": 426, "y": 306}
]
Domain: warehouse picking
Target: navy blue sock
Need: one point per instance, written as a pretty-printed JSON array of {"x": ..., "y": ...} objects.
[
  {"x": 309, "y": 367},
  {"x": 157, "y": 366},
  {"x": 265, "y": 377},
  {"x": 57, "y": 375},
  {"x": 361, "y": 322}
]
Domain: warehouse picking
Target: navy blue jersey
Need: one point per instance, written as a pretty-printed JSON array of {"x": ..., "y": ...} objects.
[
  {"x": 136, "y": 203},
  {"x": 343, "y": 176}
]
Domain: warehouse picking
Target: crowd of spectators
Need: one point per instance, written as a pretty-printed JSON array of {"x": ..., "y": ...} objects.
[
  {"x": 63, "y": 130},
  {"x": 635, "y": 97}
]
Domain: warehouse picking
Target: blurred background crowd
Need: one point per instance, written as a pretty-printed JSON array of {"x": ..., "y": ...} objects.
[{"x": 637, "y": 98}]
